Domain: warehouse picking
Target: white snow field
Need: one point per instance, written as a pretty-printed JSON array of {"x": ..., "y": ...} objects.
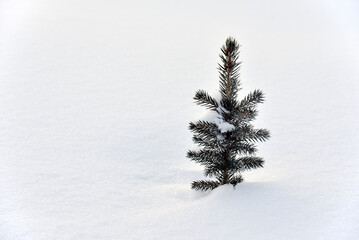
[{"x": 95, "y": 101}]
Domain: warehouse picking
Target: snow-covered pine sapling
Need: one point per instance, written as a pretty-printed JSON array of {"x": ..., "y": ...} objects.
[{"x": 227, "y": 141}]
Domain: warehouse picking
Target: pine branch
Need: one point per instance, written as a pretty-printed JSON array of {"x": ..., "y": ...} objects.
[
  {"x": 208, "y": 143},
  {"x": 235, "y": 180},
  {"x": 205, "y": 185},
  {"x": 245, "y": 148},
  {"x": 229, "y": 105},
  {"x": 203, "y": 99},
  {"x": 259, "y": 135},
  {"x": 252, "y": 99},
  {"x": 251, "y": 162},
  {"x": 205, "y": 157},
  {"x": 206, "y": 134},
  {"x": 248, "y": 134},
  {"x": 205, "y": 131},
  {"x": 213, "y": 170},
  {"x": 244, "y": 114},
  {"x": 235, "y": 166},
  {"x": 204, "y": 128}
]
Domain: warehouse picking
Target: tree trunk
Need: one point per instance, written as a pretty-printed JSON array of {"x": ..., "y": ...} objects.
[{"x": 225, "y": 171}]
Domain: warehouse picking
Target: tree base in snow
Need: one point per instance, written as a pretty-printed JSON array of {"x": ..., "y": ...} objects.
[{"x": 205, "y": 185}]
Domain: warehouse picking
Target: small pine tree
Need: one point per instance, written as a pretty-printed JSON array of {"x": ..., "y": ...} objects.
[{"x": 228, "y": 140}]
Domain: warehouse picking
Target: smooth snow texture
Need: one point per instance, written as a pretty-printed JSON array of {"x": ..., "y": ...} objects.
[{"x": 96, "y": 97}]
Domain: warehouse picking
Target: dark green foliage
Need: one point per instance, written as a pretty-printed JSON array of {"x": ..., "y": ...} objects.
[
  {"x": 205, "y": 185},
  {"x": 202, "y": 98},
  {"x": 226, "y": 151}
]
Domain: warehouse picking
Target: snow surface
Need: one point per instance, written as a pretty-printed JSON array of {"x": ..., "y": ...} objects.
[{"x": 96, "y": 97}]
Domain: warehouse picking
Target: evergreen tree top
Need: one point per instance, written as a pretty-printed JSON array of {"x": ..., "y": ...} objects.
[{"x": 229, "y": 69}]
